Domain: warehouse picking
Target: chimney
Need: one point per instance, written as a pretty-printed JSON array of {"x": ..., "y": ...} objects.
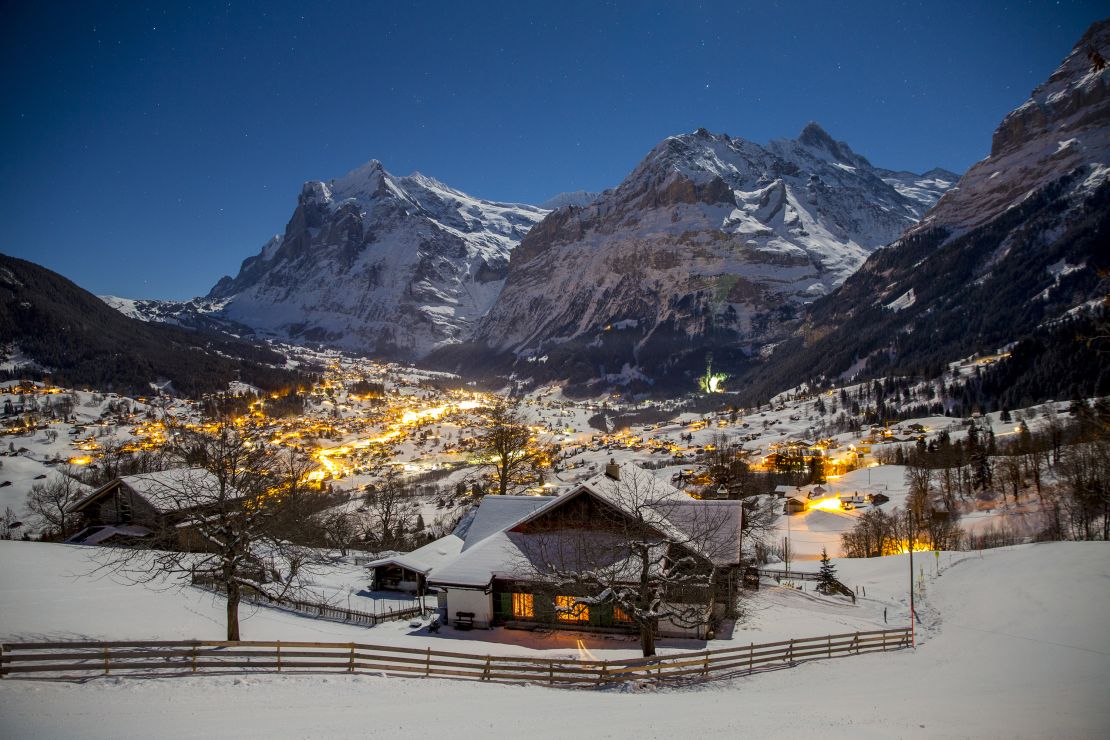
[{"x": 612, "y": 470}]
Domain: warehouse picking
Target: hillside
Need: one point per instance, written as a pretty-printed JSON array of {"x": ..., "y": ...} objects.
[{"x": 52, "y": 327}]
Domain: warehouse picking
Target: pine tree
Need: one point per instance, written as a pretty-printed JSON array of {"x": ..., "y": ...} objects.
[{"x": 826, "y": 578}]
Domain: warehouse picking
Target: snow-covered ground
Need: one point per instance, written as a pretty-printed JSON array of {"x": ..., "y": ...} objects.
[{"x": 1013, "y": 645}]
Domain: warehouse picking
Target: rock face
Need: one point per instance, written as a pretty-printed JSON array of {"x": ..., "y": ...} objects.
[
  {"x": 1060, "y": 127},
  {"x": 1013, "y": 253},
  {"x": 711, "y": 241},
  {"x": 392, "y": 266}
]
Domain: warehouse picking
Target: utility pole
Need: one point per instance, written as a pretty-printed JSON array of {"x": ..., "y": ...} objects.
[
  {"x": 909, "y": 535},
  {"x": 786, "y": 550}
]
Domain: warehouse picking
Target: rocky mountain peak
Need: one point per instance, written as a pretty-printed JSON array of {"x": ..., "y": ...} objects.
[
  {"x": 710, "y": 240},
  {"x": 1074, "y": 95},
  {"x": 815, "y": 136},
  {"x": 1063, "y": 126},
  {"x": 376, "y": 263}
]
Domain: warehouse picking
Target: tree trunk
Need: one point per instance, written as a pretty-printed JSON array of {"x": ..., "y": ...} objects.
[
  {"x": 233, "y": 612},
  {"x": 647, "y": 638}
]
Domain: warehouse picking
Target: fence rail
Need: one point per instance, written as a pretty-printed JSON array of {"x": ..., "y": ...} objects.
[
  {"x": 314, "y": 608},
  {"x": 792, "y": 575},
  {"x": 67, "y": 660}
]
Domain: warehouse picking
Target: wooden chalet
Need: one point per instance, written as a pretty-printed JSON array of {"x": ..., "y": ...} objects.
[
  {"x": 516, "y": 548},
  {"x": 134, "y": 507}
]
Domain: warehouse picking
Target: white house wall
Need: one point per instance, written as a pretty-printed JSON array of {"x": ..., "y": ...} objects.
[{"x": 470, "y": 600}]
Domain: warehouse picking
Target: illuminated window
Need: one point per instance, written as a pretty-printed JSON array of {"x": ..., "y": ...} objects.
[
  {"x": 620, "y": 615},
  {"x": 568, "y": 611},
  {"x": 522, "y": 605}
]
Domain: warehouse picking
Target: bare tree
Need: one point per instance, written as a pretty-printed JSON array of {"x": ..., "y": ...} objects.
[
  {"x": 391, "y": 508},
  {"x": 648, "y": 551},
  {"x": 49, "y": 502},
  {"x": 9, "y": 524},
  {"x": 509, "y": 448},
  {"x": 228, "y": 525},
  {"x": 340, "y": 529}
]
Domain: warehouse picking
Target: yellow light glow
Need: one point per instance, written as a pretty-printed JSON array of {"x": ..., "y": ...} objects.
[
  {"x": 901, "y": 548},
  {"x": 82, "y": 460},
  {"x": 523, "y": 606},
  {"x": 825, "y": 504},
  {"x": 579, "y": 613}
]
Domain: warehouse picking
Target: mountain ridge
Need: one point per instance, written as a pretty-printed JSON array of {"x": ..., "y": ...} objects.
[{"x": 711, "y": 240}]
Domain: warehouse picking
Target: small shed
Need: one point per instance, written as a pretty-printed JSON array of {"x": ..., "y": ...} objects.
[
  {"x": 409, "y": 571},
  {"x": 793, "y": 506}
]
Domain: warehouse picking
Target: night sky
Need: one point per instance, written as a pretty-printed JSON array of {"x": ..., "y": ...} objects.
[{"x": 149, "y": 148}]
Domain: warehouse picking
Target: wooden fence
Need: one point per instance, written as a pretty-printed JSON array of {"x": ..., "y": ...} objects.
[
  {"x": 315, "y": 608},
  {"x": 790, "y": 575},
  {"x": 68, "y": 660}
]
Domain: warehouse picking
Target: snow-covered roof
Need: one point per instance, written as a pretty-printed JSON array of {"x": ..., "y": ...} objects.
[
  {"x": 478, "y": 565},
  {"x": 496, "y": 513},
  {"x": 713, "y": 527},
  {"x": 424, "y": 559},
  {"x": 633, "y": 477},
  {"x": 165, "y": 490}
]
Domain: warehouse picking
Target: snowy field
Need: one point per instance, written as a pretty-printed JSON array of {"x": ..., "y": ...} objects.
[{"x": 1013, "y": 645}]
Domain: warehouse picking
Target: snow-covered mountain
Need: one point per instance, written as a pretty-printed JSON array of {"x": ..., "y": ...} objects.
[
  {"x": 196, "y": 313},
  {"x": 394, "y": 266},
  {"x": 711, "y": 240},
  {"x": 1014, "y": 253}
]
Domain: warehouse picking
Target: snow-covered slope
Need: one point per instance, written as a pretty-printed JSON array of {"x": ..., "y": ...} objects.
[
  {"x": 1012, "y": 645},
  {"x": 710, "y": 238},
  {"x": 376, "y": 263}
]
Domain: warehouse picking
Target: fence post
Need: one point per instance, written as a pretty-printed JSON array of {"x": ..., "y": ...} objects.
[
  {"x": 828, "y": 644},
  {"x": 351, "y": 668},
  {"x": 705, "y": 665},
  {"x": 751, "y": 652},
  {"x": 278, "y": 646},
  {"x": 105, "y": 660},
  {"x": 485, "y": 673},
  {"x": 428, "y": 662},
  {"x": 855, "y": 642},
  {"x": 884, "y": 641},
  {"x": 194, "y": 657},
  {"x": 601, "y": 674}
]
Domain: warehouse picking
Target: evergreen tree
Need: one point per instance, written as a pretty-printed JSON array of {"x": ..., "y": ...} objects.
[{"x": 826, "y": 577}]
